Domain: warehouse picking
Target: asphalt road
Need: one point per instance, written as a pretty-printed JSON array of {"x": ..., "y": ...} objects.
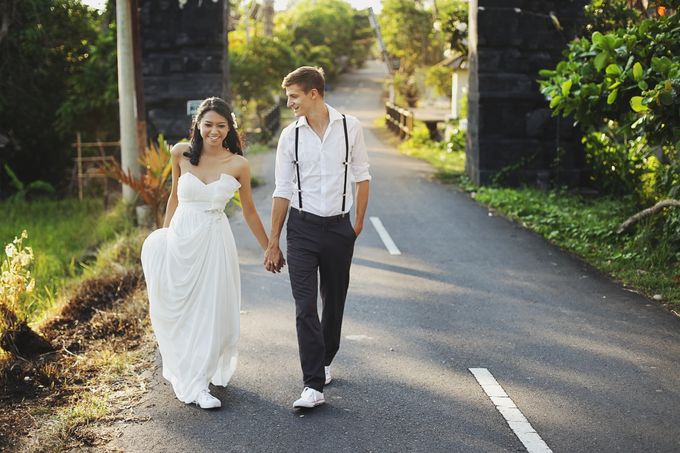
[{"x": 592, "y": 366}]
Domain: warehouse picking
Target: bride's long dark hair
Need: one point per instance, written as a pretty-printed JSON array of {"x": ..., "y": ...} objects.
[{"x": 232, "y": 141}]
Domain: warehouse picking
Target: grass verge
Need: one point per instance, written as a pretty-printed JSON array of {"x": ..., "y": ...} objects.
[
  {"x": 64, "y": 235},
  {"x": 69, "y": 399}
]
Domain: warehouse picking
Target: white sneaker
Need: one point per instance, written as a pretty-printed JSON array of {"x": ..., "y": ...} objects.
[
  {"x": 329, "y": 378},
  {"x": 206, "y": 401},
  {"x": 309, "y": 398}
]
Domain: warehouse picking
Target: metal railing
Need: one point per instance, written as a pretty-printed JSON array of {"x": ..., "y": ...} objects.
[{"x": 399, "y": 120}]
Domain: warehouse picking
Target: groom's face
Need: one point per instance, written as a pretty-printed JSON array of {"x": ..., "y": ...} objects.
[{"x": 299, "y": 101}]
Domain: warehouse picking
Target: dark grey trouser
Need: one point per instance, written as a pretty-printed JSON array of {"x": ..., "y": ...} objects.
[{"x": 318, "y": 247}]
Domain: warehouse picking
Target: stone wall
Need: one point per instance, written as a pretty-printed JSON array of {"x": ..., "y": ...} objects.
[
  {"x": 182, "y": 52},
  {"x": 510, "y": 127}
]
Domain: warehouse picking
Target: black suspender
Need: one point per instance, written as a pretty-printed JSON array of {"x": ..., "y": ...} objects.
[
  {"x": 345, "y": 163},
  {"x": 297, "y": 165}
]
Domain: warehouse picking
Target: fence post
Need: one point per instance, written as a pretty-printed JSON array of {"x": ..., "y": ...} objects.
[
  {"x": 409, "y": 125},
  {"x": 79, "y": 151}
]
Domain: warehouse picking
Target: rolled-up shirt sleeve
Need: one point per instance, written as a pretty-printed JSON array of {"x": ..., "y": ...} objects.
[
  {"x": 359, "y": 156},
  {"x": 284, "y": 172}
]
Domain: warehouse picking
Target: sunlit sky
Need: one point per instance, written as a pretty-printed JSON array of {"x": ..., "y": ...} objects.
[{"x": 278, "y": 4}]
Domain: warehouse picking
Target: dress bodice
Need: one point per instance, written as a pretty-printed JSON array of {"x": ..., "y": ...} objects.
[{"x": 192, "y": 192}]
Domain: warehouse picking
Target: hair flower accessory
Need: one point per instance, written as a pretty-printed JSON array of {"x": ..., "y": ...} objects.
[{"x": 233, "y": 119}]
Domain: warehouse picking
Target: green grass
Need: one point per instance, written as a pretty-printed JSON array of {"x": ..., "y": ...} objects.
[
  {"x": 647, "y": 258},
  {"x": 447, "y": 157},
  {"x": 64, "y": 235}
]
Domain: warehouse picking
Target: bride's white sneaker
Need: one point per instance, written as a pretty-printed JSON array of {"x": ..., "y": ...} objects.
[
  {"x": 329, "y": 378},
  {"x": 309, "y": 398},
  {"x": 206, "y": 401}
]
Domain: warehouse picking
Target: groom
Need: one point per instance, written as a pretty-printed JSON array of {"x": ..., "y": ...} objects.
[{"x": 317, "y": 158}]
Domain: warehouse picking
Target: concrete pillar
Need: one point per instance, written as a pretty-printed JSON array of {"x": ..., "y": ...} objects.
[
  {"x": 129, "y": 150},
  {"x": 509, "y": 123}
]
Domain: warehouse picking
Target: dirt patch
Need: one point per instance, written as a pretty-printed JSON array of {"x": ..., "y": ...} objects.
[{"x": 100, "y": 339}]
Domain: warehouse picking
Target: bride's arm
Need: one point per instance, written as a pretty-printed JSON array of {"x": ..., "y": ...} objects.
[
  {"x": 249, "y": 212},
  {"x": 176, "y": 156}
]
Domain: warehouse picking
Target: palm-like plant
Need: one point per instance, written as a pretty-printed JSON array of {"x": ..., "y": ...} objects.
[{"x": 152, "y": 187}]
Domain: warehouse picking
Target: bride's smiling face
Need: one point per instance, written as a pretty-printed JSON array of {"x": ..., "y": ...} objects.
[{"x": 214, "y": 128}]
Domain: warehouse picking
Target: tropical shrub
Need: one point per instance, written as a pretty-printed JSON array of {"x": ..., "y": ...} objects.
[
  {"x": 623, "y": 88},
  {"x": 153, "y": 186}
]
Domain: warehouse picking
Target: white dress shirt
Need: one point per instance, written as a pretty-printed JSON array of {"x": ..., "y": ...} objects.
[{"x": 322, "y": 169}]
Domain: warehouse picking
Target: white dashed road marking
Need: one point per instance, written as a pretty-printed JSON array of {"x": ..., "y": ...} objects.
[
  {"x": 516, "y": 420},
  {"x": 385, "y": 236}
]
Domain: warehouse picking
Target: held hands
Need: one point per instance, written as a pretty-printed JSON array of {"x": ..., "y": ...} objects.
[{"x": 273, "y": 259}]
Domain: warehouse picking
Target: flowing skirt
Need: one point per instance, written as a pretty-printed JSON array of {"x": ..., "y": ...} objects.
[{"x": 192, "y": 277}]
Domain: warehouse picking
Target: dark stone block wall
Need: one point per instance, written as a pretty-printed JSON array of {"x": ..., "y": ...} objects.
[
  {"x": 510, "y": 127},
  {"x": 182, "y": 60}
]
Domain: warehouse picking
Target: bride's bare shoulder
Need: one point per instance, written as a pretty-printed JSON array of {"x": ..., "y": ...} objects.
[{"x": 179, "y": 149}]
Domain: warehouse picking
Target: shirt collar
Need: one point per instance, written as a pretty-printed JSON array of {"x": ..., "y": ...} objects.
[{"x": 333, "y": 115}]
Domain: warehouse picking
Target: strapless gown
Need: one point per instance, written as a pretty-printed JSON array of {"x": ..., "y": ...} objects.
[{"x": 194, "y": 287}]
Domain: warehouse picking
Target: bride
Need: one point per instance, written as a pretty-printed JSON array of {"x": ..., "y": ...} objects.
[{"x": 191, "y": 264}]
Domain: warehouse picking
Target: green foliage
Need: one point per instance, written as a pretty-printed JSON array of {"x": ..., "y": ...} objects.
[
  {"x": 406, "y": 89},
  {"x": 407, "y": 29},
  {"x": 362, "y": 38},
  {"x": 45, "y": 43},
  {"x": 16, "y": 282},
  {"x": 22, "y": 190},
  {"x": 63, "y": 235},
  {"x": 453, "y": 15},
  {"x": 257, "y": 68},
  {"x": 623, "y": 88},
  {"x": 326, "y": 33},
  {"x": 91, "y": 106},
  {"x": 607, "y": 15},
  {"x": 439, "y": 78},
  {"x": 447, "y": 157},
  {"x": 321, "y": 32},
  {"x": 419, "y": 36}
]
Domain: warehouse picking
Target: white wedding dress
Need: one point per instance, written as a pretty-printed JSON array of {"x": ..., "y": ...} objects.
[{"x": 194, "y": 287}]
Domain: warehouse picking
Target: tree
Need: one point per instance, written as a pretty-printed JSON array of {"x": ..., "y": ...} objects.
[
  {"x": 95, "y": 116},
  {"x": 453, "y": 19},
  {"x": 257, "y": 68},
  {"x": 46, "y": 41},
  {"x": 407, "y": 31},
  {"x": 313, "y": 24}
]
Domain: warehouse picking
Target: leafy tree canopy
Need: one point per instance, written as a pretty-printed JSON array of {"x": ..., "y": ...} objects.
[{"x": 46, "y": 43}]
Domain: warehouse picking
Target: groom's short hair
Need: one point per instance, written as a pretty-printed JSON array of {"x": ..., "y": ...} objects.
[{"x": 307, "y": 77}]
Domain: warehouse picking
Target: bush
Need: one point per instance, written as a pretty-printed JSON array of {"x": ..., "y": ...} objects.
[
  {"x": 440, "y": 79},
  {"x": 623, "y": 88},
  {"x": 16, "y": 281}
]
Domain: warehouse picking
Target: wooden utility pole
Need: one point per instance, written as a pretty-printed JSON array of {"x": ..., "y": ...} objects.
[{"x": 129, "y": 147}]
